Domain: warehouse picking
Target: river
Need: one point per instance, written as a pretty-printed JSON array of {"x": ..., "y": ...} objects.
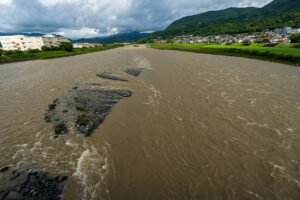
[{"x": 197, "y": 126}]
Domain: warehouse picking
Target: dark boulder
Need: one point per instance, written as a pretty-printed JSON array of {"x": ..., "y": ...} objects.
[
  {"x": 30, "y": 184},
  {"x": 134, "y": 72}
]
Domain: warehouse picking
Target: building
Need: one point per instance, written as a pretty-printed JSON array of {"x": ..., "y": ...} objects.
[
  {"x": 23, "y": 42},
  {"x": 86, "y": 45},
  {"x": 286, "y": 31},
  {"x": 51, "y": 40}
]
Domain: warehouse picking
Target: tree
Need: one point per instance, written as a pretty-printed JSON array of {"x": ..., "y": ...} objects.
[
  {"x": 295, "y": 38},
  {"x": 44, "y": 48},
  {"x": 66, "y": 46}
]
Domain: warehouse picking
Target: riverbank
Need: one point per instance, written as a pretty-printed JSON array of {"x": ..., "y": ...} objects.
[
  {"x": 43, "y": 55},
  {"x": 286, "y": 55}
]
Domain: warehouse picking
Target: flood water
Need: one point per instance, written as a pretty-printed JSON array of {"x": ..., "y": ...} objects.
[{"x": 197, "y": 126}]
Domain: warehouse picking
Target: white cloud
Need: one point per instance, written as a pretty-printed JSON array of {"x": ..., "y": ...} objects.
[
  {"x": 5, "y": 1},
  {"x": 90, "y": 18},
  {"x": 85, "y": 32}
]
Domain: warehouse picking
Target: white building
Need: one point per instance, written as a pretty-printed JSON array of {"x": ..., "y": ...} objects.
[
  {"x": 51, "y": 40},
  {"x": 286, "y": 31},
  {"x": 86, "y": 45},
  {"x": 23, "y": 42}
]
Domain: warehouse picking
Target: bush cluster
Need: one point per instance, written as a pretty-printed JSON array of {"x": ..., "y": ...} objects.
[
  {"x": 268, "y": 54},
  {"x": 66, "y": 46}
]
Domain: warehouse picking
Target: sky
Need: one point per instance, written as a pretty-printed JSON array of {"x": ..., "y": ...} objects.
[{"x": 92, "y": 18}]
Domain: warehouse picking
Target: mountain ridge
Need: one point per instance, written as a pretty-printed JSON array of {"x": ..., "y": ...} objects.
[
  {"x": 118, "y": 38},
  {"x": 236, "y": 20}
]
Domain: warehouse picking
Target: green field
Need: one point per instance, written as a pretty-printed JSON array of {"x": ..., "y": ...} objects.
[
  {"x": 281, "y": 54},
  {"x": 21, "y": 56}
]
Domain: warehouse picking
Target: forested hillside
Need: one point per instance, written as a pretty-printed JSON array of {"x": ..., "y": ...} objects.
[{"x": 278, "y": 13}]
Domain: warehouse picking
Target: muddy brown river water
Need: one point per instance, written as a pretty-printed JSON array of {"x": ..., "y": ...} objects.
[{"x": 196, "y": 127}]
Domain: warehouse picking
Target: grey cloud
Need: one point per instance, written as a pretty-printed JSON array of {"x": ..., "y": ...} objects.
[{"x": 77, "y": 18}]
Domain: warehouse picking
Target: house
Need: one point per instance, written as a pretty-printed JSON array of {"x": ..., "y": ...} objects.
[
  {"x": 86, "y": 45},
  {"x": 286, "y": 31},
  {"x": 23, "y": 42}
]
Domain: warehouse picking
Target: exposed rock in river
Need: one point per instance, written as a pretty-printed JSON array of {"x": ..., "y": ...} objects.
[
  {"x": 30, "y": 184},
  {"x": 106, "y": 75},
  {"x": 93, "y": 106},
  {"x": 88, "y": 108},
  {"x": 53, "y": 117},
  {"x": 4, "y": 169},
  {"x": 90, "y": 84},
  {"x": 134, "y": 72}
]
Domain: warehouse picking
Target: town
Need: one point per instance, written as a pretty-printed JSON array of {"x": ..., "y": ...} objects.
[{"x": 279, "y": 35}]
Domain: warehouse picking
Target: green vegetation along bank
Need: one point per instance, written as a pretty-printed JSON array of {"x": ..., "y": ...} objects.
[
  {"x": 15, "y": 56},
  {"x": 281, "y": 54}
]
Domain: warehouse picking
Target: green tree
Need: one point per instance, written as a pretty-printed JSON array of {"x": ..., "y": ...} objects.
[
  {"x": 295, "y": 38},
  {"x": 44, "y": 48},
  {"x": 66, "y": 46}
]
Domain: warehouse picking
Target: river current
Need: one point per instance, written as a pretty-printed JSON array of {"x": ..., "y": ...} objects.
[{"x": 196, "y": 127}]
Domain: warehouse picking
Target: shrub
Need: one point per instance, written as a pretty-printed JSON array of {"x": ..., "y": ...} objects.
[
  {"x": 254, "y": 52},
  {"x": 257, "y": 44},
  {"x": 290, "y": 58},
  {"x": 33, "y": 51},
  {"x": 66, "y": 46},
  {"x": 83, "y": 120},
  {"x": 296, "y": 46},
  {"x": 246, "y": 42},
  {"x": 280, "y": 57},
  {"x": 231, "y": 49},
  {"x": 61, "y": 129},
  {"x": 52, "y": 106},
  {"x": 246, "y": 51},
  {"x": 47, "y": 118},
  {"x": 80, "y": 108},
  {"x": 280, "y": 45},
  {"x": 266, "y": 53},
  {"x": 295, "y": 38},
  {"x": 271, "y": 55},
  {"x": 270, "y": 45},
  {"x": 53, "y": 48},
  {"x": 44, "y": 48},
  {"x": 10, "y": 52}
]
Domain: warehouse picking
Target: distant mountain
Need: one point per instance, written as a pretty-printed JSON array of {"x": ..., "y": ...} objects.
[
  {"x": 278, "y": 13},
  {"x": 118, "y": 38}
]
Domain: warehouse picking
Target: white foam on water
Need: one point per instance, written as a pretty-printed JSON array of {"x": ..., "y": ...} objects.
[
  {"x": 141, "y": 62},
  {"x": 252, "y": 101},
  {"x": 265, "y": 126},
  {"x": 155, "y": 94},
  {"x": 279, "y": 174},
  {"x": 227, "y": 99},
  {"x": 92, "y": 170},
  {"x": 71, "y": 144},
  {"x": 255, "y": 195},
  {"x": 90, "y": 165}
]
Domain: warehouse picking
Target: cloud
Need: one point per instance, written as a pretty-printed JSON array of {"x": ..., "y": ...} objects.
[{"x": 90, "y": 18}]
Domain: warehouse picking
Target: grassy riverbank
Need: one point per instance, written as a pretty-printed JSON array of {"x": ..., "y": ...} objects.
[
  {"x": 22, "y": 56},
  {"x": 286, "y": 55}
]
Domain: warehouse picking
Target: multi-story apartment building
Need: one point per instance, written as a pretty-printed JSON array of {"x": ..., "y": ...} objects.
[
  {"x": 23, "y": 42},
  {"x": 51, "y": 40}
]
